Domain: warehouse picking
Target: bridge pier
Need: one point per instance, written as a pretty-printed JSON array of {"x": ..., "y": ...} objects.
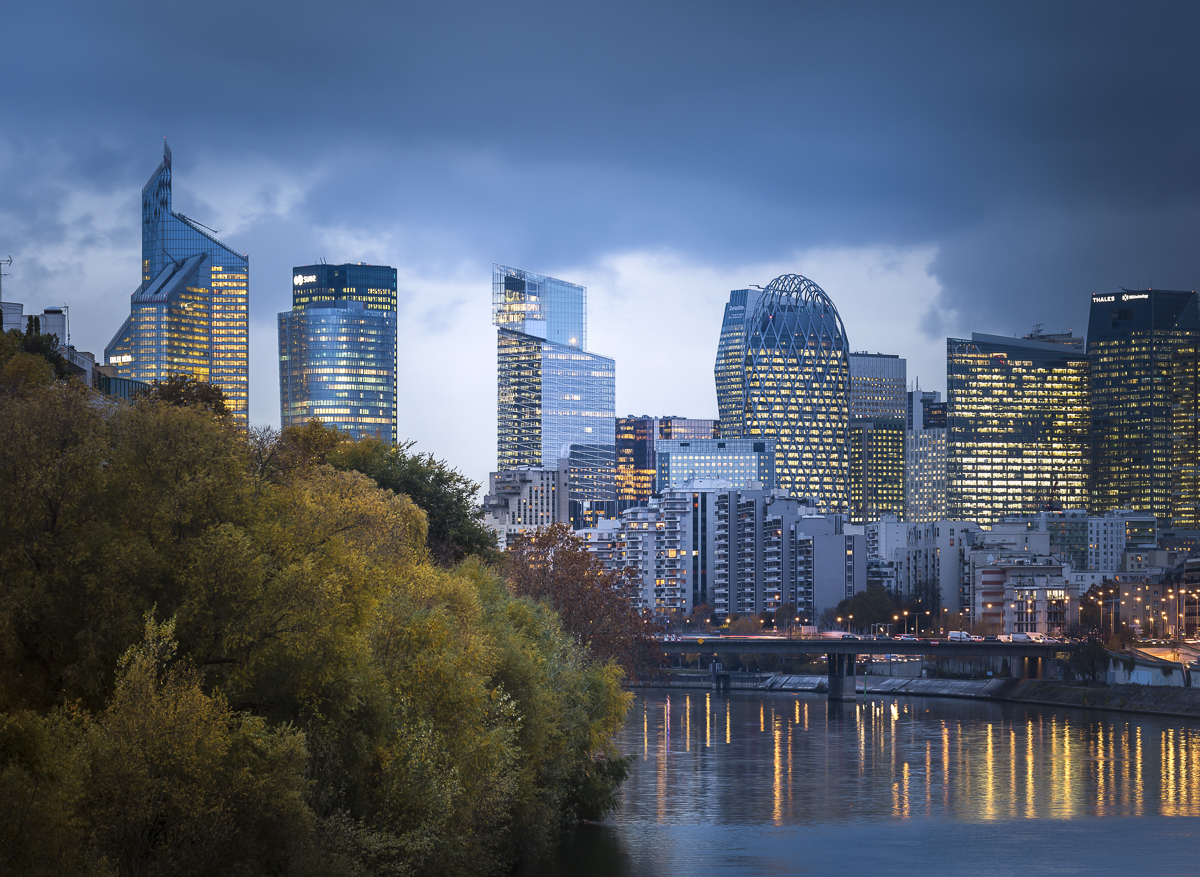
[{"x": 842, "y": 677}]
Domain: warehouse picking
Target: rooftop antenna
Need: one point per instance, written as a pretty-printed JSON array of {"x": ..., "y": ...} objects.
[{"x": 7, "y": 261}]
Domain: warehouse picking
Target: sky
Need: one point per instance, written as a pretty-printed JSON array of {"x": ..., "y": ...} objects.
[{"x": 937, "y": 168}]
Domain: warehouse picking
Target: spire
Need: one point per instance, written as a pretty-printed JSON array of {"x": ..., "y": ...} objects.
[{"x": 166, "y": 154}]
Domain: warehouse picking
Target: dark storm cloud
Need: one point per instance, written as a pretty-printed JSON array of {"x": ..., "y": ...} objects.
[{"x": 1047, "y": 150}]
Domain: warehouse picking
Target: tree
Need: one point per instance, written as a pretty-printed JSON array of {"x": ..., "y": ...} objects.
[
  {"x": 446, "y": 496},
  {"x": 872, "y": 606},
  {"x": 185, "y": 389},
  {"x": 597, "y": 607}
]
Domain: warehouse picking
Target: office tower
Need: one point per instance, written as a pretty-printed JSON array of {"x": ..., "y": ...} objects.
[
  {"x": 773, "y": 550},
  {"x": 876, "y": 468},
  {"x": 337, "y": 349},
  {"x": 783, "y": 374},
  {"x": 189, "y": 315},
  {"x": 742, "y": 463},
  {"x": 1018, "y": 437},
  {"x": 730, "y": 371},
  {"x": 925, "y": 457},
  {"x": 878, "y": 385},
  {"x": 1185, "y": 437},
  {"x": 552, "y": 394},
  {"x": 925, "y": 475},
  {"x": 1133, "y": 336},
  {"x": 636, "y": 441}
]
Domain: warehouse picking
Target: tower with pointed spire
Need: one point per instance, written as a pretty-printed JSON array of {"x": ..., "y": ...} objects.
[{"x": 190, "y": 313}]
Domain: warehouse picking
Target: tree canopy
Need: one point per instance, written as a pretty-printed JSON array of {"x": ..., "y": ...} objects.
[{"x": 221, "y": 654}]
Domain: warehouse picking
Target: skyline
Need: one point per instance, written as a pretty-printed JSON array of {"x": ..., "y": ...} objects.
[{"x": 936, "y": 170}]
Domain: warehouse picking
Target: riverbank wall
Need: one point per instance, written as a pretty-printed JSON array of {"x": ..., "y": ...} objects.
[{"x": 1152, "y": 700}]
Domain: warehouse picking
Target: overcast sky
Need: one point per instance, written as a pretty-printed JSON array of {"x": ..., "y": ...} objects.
[{"x": 936, "y": 168}]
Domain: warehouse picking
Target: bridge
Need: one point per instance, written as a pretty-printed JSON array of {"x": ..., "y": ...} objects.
[{"x": 842, "y": 654}]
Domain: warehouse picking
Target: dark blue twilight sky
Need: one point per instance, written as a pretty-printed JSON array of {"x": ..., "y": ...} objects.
[{"x": 937, "y": 168}]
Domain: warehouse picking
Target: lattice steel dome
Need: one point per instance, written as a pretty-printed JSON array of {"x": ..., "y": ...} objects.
[{"x": 796, "y": 388}]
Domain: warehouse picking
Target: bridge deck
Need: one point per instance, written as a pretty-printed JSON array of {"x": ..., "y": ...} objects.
[{"x": 721, "y": 645}]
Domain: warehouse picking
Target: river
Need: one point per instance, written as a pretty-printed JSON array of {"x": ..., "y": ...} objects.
[{"x": 773, "y": 784}]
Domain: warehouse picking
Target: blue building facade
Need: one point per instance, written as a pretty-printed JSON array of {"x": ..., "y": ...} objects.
[
  {"x": 337, "y": 350},
  {"x": 190, "y": 314},
  {"x": 555, "y": 400}
]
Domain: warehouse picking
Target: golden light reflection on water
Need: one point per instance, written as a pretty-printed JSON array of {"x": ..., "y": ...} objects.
[{"x": 893, "y": 759}]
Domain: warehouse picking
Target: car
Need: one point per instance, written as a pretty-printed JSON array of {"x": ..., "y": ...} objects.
[
  {"x": 849, "y": 636},
  {"x": 991, "y": 639},
  {"x": 906, "y": 637}
]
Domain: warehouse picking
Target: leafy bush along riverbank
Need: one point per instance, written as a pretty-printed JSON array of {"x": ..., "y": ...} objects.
[{"x": 221, "y": 655}]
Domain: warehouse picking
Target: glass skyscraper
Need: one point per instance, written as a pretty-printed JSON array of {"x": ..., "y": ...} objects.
[
  {"x": 1018, "y": 436},
  {"x": 555, "y": 400},
  {"x": 190, "y": 314},
  {"x": 637, "y": 439},
  {"x": 783, "y": 374},
  {"x": 1133, "y": 338},
  {"x": 878, "y": 385},
  {"x": 876, "y": 468},
  {"x": 337, "y": 349}
]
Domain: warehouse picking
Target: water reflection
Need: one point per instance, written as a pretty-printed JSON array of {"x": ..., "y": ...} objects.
[{"x": 893, "y": 759}]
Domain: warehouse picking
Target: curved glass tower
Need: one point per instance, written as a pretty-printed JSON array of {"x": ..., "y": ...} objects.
[
  {"x": 793, "y": 385},
  {"x": 337, "y": 349}
]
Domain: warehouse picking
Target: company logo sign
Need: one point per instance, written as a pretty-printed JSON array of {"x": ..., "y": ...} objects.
[
  {"x": 1130, "y": 297},
  {"x": 301, "y": 279},
  {"x": 1101, "y": 299}
]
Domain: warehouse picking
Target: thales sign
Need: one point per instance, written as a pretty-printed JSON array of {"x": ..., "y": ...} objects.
[{"x": 1126, "y": 296}]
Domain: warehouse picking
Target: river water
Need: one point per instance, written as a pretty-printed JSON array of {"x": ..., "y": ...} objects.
[{"x": 771, "y": 784}]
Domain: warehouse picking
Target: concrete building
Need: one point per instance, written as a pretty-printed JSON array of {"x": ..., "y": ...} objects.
[
  {"x": 925, "y": 458},
  {"x": 744, "y": 463},
  {"x": 525, "y": 498},
  {"x": 1110, "y": 535},
  {"x": 885, "y": 537},
  {"x": 932, "y": 565},
  {"x": 773, "y": 549},
  {"x": 1025, "y": 595}
]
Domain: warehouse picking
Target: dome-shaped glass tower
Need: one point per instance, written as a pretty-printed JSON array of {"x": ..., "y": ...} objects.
[{"x": 792, "y": 385}]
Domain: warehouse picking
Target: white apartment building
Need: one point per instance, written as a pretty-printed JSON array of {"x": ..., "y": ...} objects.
[
  {"x": 522, "y": 499},
  {"x": 1109, "y": 536}
]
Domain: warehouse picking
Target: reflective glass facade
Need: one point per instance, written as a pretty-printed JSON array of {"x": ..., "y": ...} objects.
[
  {"x": 636, "y": 442},
  {"x": 1185, "y": 437},
  {"x": 552, "y": 395},
  {"x": 337, "y": 349},
  {"x": 731, "y": 359},
  {"x": 190, "y": 314},
  {"x": 744, "y": 463},
  {"x": 793, "y": 386},
  {"x": 1133, "y": 336},
  {"x": 1018, "y": 427},
  {"x": 541, "y": 306},
  {"x": 878, "y": 386},
  {"x": 876, "y": 468}
]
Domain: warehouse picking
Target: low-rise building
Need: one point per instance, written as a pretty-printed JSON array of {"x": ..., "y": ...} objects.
[{"x": 1025, "y": 595}]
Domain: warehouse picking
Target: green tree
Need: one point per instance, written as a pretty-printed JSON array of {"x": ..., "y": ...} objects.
[
  {"x": 446, "y": 496},
  {"x": 185, "y": 389}
]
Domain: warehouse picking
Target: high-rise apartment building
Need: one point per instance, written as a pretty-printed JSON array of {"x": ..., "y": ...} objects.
[
  {"x": 190, "y": 313},
  {"x": 637, "y": 439},
  {"x": 1018, "y": 437},
  {"x": 555, "y": 400},
  {"x": 773, "y": 550},
  {"x": 783, "y": 374},
  {"x": 878, "y": 386},
  {"x": 337, "y": 349},
  {"x": 523, "y": 499},
  {"x": 1133, "y": 339},
  {"x": 876, "y": 468}
]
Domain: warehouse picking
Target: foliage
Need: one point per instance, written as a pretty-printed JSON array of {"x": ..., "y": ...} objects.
[
  {"x": 184, "y": 389},
  {"x": 597, "y": 606},
  {"x": 872, "y": 606},
  {"x": 1090, "y": 662},
  {"x": 221, "y": 655}
]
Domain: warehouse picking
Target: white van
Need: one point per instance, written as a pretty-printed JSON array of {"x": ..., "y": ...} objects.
[
  {"x": 1031, "y": 637},
  {"x": 958, "y": 636}
]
